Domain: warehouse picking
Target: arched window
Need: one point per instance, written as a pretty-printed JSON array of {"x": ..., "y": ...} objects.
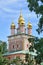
[
  {"x": 27, "y": 45},
  {"x": 13, "y": 46},
  {"x": 17, "y": 45}
]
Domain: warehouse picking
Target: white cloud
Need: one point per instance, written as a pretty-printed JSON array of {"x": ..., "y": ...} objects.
[
  {"x": 7, "y": 5},
  {"x": 9, "y": 10},
  {"x": 17, "y": 5},
  {"x": 5, "y": 2}
]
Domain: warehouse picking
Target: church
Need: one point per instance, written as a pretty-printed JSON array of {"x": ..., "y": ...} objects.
[{"x": 18, "y": 41}]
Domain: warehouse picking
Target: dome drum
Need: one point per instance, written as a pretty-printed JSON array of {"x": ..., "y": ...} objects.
[
  {"x": 29, "y": 25},
  {"x": 12, "y": 26}
]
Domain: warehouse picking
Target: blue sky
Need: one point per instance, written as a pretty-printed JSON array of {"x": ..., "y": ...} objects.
[{"x": 10, "y": 10}]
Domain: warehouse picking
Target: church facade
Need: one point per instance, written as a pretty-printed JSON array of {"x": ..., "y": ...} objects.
[{"x": 18, "y": 42}]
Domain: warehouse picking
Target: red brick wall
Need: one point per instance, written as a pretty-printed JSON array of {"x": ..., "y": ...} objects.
[{"x": 10, "y": 57}]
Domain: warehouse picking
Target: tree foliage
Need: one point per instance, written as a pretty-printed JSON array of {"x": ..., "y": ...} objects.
[
  {"x": 37, "y": 7},
  {"x": 29, "y": 57},
  {"x": 29, "y": 60},
  {"x": 39, "y": 48},
  {"x": 3, "y": 47},
  {"x": 3, "y": 61},
  {"x": 16, "y": 61},
  {"x": 38, "y": 45}
]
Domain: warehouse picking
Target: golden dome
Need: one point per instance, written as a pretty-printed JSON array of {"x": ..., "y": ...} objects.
[
  {"x": 21, "y": 19},
  {"x": 22, "y": 23},
  {"x": 29, "y": 25},
  {"x": 12, "y": 25}
]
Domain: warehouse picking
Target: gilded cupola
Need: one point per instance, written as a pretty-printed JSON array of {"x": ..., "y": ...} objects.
[
  {"x": 29, "y": 25},
  {"x": 21, "y": 19},
  {"x": 12, "y": 25}
]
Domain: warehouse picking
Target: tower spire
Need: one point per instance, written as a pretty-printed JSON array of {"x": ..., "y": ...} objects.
[
  {"x": 13, "y": 25},
  {"x": 21, "y": 19},
  {"x": 20, "y": 12}
]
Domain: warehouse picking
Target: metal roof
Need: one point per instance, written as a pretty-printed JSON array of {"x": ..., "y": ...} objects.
[{"x": 20, "y": 52}]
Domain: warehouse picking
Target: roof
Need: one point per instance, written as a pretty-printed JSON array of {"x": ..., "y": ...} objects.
[
  {"x": 29, "y": 25},
  {"x": 20, "y": 34},
  {"x": 20, "y": 52}
]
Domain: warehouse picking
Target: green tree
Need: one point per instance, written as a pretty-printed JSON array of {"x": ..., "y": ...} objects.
[
  {"x": 16, "y": 61},
  {"x": 29, "y": 58},
  {"x": 3, "y": 47},
  {"x": 39, "y": 48},
  {"x": 38, "y": 45},
  {"x": 3, "y": 60},
  {"x": 34, "y": 5}
]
